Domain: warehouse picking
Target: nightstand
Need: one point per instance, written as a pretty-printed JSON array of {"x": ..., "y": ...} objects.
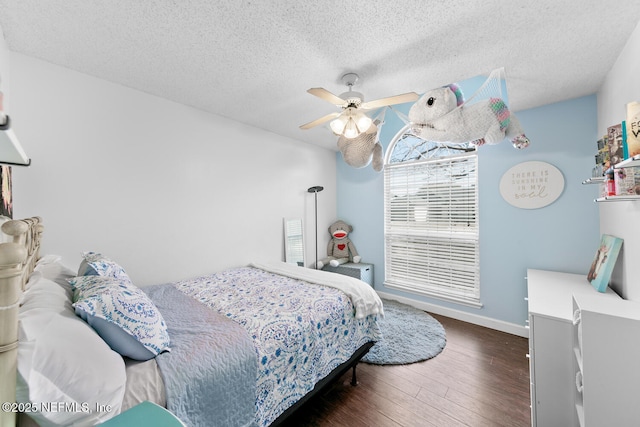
[
  {"x": 145, "y": 414},
  {"x": 360, "y": 271}
]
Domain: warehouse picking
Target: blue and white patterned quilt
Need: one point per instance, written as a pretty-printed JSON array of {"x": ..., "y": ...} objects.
[{"x": 300, "y": 331}]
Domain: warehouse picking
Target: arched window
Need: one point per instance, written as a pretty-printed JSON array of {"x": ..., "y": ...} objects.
[{"x": 431, "y": 218}]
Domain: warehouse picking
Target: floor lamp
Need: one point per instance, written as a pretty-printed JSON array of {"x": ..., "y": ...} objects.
[{"x": 316, "y": 190}]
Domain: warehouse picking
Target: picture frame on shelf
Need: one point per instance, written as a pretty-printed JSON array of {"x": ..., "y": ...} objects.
[
  {"x": 615, "y": 144},
  {"x": 605, "y": 259}
]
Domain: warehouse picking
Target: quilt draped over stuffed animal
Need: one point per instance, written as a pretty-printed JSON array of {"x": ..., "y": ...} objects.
[
  {"x": 441, "y": 115},
  {"x": 340, "y": 249}
]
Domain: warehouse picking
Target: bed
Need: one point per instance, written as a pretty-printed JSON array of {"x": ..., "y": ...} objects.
[{"x": 241, "y": 347}]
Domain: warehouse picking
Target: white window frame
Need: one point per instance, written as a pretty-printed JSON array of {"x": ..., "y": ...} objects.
[{"x": 431, "y": 225}]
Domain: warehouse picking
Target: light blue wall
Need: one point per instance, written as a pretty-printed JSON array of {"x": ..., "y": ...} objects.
[{"x": 562, "y": 236}]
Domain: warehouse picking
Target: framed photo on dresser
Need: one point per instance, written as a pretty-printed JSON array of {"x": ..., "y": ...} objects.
[{"x": 602, "y": 266}]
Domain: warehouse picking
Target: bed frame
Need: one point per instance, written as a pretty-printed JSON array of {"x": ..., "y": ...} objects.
[
  {"x": 17, "y": 261},
  {"x": 320, "y": 386}
]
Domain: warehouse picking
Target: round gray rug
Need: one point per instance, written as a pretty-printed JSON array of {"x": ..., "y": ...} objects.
[{"x": 409, "y": 335}]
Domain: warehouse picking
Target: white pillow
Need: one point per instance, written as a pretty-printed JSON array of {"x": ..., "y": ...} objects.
[
  {"x": 51, "y": 267},
  {"x": 62, "y": 359},
  {"x": 42, "y": 293}
]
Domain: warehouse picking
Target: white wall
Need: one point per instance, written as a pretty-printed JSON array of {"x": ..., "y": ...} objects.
[
  {"x": 166, "y": 190},
  {"x": 4, "y": 69},
  {"x": 621, "y": 86}
]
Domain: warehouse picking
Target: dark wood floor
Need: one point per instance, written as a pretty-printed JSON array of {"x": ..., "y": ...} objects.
[{"x": 480, "y": 379}]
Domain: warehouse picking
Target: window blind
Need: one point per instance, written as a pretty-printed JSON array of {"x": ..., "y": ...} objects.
[{"x": 431, "y": 227}]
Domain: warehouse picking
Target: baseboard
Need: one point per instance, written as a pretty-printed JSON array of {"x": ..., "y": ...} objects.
[{"x": 487, "y": 322}]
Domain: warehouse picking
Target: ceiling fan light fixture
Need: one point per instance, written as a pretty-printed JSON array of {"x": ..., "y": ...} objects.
[
  {"x": 338, "y": 125},
  {"x": 350, "y": 124},
  {"x": 351, "y": 129},
  {"x": 364, "y": 122}
]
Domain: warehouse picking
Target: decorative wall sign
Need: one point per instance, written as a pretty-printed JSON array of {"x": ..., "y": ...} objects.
[{"x": 531, "y": 185}]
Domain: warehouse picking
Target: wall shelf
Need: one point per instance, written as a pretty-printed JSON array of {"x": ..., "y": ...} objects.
[
  {"x": 632, "y": 198},
  {"x": 631, "y": 162},
  {"x": 594, "y": 180}
]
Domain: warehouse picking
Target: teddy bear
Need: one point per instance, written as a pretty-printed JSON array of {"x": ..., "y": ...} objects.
[
  {"x": 363, "y": 149},
  {"x": 340, "y": 248},
  {"x": 440, "y": 115}
]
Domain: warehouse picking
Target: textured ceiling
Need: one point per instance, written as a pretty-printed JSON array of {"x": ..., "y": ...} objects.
[{"x": 253, "y": 61}]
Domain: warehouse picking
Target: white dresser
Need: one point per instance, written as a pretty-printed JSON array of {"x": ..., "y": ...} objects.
[
  {"x": 553, "y": 364},
  {"x": 606, "y": 346}
]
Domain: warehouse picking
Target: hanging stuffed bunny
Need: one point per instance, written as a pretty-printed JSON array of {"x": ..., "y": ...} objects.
[
  {"x": 440, "y": 115},
  {"x": 340, "y": 249}
]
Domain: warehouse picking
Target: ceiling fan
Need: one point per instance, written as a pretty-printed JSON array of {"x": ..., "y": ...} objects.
[{"x": 352, "y": 120}]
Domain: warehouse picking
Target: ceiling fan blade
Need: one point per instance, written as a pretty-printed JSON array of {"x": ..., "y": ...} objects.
[
  {"x": 320, "y": 121},
  {"x": 392, "y": 100},
  {"x": 326, "y": 95}
]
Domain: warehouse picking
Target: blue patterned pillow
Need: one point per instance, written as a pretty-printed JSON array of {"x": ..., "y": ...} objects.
[
  {"x": 122, "y": 314},
  {"x": 96, "y": 264}
]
